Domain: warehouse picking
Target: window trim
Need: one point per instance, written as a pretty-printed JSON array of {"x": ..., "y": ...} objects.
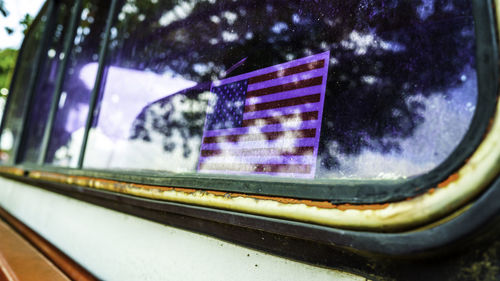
[
  {"x": 67, "y": 47},
  {"x": 19, "y": 143},
  {"x": 320, "y": 245}
]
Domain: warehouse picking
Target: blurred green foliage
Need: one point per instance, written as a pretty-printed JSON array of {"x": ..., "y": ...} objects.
[
  {"x": 25, "y": 22},
  {"x": 7, "y": 63},
  {"x": 8, "y": 56}
]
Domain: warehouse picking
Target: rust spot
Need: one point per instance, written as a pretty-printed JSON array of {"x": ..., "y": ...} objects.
[
  {"x": 12, "y": 171},
  {"x": 363, "y": 207},
  {"x": 122, "y": 186},
  {"x": 185, "y": 190},
  {"x": 284, "y": 200},
  {"x": 490, "y": 125},
  {"x": 454, "y": 177}
]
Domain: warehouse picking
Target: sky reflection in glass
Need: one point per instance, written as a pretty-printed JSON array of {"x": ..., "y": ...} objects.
[
  {"x": 71, "y": 115},
  {"x": 400, "y": 94}
]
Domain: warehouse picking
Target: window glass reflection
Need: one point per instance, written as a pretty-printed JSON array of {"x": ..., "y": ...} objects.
[
  {"x": 399, "y": 90},
  {"x": 51, "y": 61},
  {"x": 14, "y": 113},
  {"x": 69, "y": 124}
]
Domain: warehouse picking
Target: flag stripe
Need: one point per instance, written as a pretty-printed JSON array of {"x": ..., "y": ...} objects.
[
  {"x": 304, "y": 116},
  {"x": 259, "y": 159},
  {"x": 287, "y": 71},
  {"x": 285, "y": 80},
  {"x": 283, "y": 103},
  {"x": 266, "y": 168},
  {"x": 286, "y": 87},
  {"x": 305, "y": 133},
  {"x": 285, "y": 95},
  {"x": 295, "y": 151},
  {"x": 278, "y": 143},
  {"x": 282, "y": 111},
  {"x": 263, "y": 129}
]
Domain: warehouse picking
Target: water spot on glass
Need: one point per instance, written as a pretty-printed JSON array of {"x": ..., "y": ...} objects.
[
  {"x": 426, "y": 9},
  {"x": 51, "y": 53},
  {"x": 229, "y": 36},
  {"x": 279, "y": 27},
  {"x": 230, "y": 17}
]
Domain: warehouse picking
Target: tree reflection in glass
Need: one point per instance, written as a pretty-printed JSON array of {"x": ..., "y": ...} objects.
[
  {"x": 400, "y": 94},
  {"x": 67, "y": 133}
]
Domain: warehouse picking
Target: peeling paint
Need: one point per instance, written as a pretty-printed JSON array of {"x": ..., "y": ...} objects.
[{"x": 12, "y": 171}]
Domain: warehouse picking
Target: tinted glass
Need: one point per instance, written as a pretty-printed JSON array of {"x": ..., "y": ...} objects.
[
  {"x": 66, "y": 137},
  {"x": 18, "y": 96},
  {"x": 51, "y": 61},
  {"x": 334, "y": 89}
]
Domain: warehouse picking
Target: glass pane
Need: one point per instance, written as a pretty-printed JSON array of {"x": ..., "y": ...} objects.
[
  {"x": 338, "y": 89},
  {"x": 39, "y": 111},
  {"x": 66, "y": 137},
  {"x": 14, "y": 114}
]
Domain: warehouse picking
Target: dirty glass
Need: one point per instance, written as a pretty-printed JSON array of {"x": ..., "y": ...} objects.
[
  {"x": 44, "y": 90},
  {"x": 18, "y": 96},
  {"x": 326, "y": 89},
  {"x": 69, "y": 124}
]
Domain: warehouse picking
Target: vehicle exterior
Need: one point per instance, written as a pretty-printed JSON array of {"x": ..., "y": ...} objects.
[{"x": 215, "y": 140}]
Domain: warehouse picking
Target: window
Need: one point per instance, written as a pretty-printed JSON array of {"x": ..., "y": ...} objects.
[
  {"x": 345, "y": 102},
  {"x": 72, "y": 109},
  {"x": 392, "y": 105},
  {"x": 25, "y": 74},
  {"x": 50, "y": 64}
]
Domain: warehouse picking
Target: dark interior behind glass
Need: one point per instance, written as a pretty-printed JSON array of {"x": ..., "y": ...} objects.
[
  {"x": 67, "y": 134},
  {"x": 50, "y": 64},
  {"x": 401, "y": 84}
]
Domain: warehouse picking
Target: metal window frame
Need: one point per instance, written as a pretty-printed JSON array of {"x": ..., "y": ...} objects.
[
  {"x": 68, "y": 46},
  {"x": 49, "y": 6},
  {"x": 35, "y": 75},
  {"x": 371, "y": 254}
]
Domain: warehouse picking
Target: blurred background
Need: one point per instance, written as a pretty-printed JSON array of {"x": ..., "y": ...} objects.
[{"x": 15, "y": 18}]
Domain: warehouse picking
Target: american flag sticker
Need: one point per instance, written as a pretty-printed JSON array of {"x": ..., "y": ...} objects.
[{"x": 266, "y": 121}]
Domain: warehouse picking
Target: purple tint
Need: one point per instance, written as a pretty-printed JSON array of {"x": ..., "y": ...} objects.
[
  {"x": 266, "y": 174},
  {"x": 399, "y": 93},
  {"x": 287, "y": 79},
  {"x": 281, "y": 143},
  {"x": 73, "y": 106},
  {"x": 297, "y": 125},
  {"x": 42, "y": 100},
  {"x": 121, "y": 92},
  {"x": 228, "y": 109},
  {"x": 282, "y": 111},
  {"x": 264, "y": 159},
  {"x": 431, "y": 142},
  {"x": 282, "y": 95}
]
